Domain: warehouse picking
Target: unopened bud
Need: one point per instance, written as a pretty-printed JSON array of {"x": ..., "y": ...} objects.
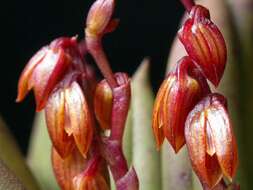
[
  {"x": 204, "y": 43},
  {"x": 103, "y": 104},
  {"x": 99, "y": 17}
]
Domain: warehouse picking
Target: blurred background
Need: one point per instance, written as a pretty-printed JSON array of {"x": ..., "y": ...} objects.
[{"x": 146, "y": 29}]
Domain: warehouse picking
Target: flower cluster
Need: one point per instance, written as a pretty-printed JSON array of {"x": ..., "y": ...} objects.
[
  {"x": 187, "y": 112},
  {"x": 78, "y": 109}
]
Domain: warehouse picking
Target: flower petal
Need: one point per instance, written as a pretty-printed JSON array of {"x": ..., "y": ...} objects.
[
  {"x": 183, "y": 88},
  {"x": 55, "y": 118},
  {"x": 206, "y": 167},
  {"x": 66, "y": 169},
  {"x": 23, "y": 86},
  {"x": 47, "y": 74},
  {"x": 103, "y": 104},
  {"x": 223, "y": 137},
  {"x": 79, "y": 116},
  {"x": 204, "y": 43}
]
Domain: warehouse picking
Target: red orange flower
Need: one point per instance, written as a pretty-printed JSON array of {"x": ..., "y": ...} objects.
[
  {"x": 68, "y": 118},
  {"x": 204, "y": 43},
  {"x": 210, "y": 140},
  {"x": 178, "y": 94},
  {"x": 46, "y": 68}
]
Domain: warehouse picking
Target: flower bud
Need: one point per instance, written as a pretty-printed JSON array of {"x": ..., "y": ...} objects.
[
  {"x": 99, "y": 18},
  {"x": 210, "y": 140},
  {"x": 111, "y": 105},
  {"x": 97, "y": 182},
  {"x": 45, "y": 69},
  {"x": 68, "y": 117},
  {"x": 204, "y": 43},
  {"x": 178, "y": 94},
  {"x": 92, "y": 178},
  {"x": 103, "y": 104},
  {"x": 67, "y": 169}
]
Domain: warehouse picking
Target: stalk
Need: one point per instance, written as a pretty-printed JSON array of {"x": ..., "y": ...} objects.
[
  {"x": 96, "y": 50},
  {"x": 146, "y": 159},
  {"x": 243, "y": 16}
]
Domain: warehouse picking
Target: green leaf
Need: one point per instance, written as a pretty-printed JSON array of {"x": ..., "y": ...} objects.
[
  {"x": 146, "y": 159},
  {"x": 13, "y": 158},
  {"x": 127, "y": 138},
  {"x": 243, "y": 20},
  {"x": 8, "y": 180},
  {"x": 176, "y": 169},
  {"x": 39, "y": 154}
]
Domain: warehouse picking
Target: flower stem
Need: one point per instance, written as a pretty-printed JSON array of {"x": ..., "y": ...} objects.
[
  {"x": 188, "y": 4},
  {"x": 95, "y": 49},
  {"x": 120, "y": 106}
]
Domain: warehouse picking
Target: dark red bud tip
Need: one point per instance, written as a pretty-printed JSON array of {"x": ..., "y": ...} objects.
[
  {"x": 46, "y": 68},
  {"x": 210, "y": 140},
  {"x": 204, "y": 43},
  {"x": 180, "y": 91},
  {"x": 188, "y": 4}
]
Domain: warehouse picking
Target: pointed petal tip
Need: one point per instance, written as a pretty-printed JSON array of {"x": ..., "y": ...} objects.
[{"x": 19, "y": 99}]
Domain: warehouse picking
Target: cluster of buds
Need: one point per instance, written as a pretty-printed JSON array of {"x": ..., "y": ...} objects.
[
  {"x": 187, "y": 112},
  {"x": 78, "y": 109}
]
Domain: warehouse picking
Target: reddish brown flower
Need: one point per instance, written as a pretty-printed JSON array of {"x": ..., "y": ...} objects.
[
  {"x": 45, "y": 69},
  {"x": 178, "y": 94},
  {"x": 204, "y": 43},
  {"x": 68, "y": 118},
  {"x": 210, "y": 140}
]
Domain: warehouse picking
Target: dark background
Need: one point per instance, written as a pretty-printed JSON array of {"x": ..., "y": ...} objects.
[{"x": 146, "y": 28}]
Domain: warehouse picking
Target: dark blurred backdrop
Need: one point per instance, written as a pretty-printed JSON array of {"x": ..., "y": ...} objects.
[{"x": 146, "y": 28}]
